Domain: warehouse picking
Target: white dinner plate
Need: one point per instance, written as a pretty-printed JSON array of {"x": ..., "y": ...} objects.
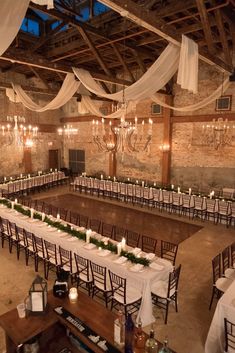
[
  {"x": 137, "y": 268},
  {"x": 89, "y": 246},
  {"x": 121, "y": 260},
  {"x": 156, "y": 266},
  {"x": 103, "y": 252}
]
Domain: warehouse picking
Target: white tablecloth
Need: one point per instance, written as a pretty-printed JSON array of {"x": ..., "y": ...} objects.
[
  {"x": 225, "y": 309},
  {"x": 140, "y": 280}
]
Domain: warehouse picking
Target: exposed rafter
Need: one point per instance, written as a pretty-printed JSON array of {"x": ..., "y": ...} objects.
[{"x": 146, "y": 19}]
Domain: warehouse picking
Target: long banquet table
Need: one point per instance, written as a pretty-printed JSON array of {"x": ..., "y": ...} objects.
[
  {"x": 38, "y": 180},
  {"x": 140, "y": 280},
  {"x": 225, "y": 309}
]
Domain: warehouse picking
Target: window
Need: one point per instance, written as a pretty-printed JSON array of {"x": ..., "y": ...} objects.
[
  {"x": 30, "y": 26},
  {"x": 156, "y": 109},
  {"x": 77, "y": 161},
  {"x": 223, "y": 103}
]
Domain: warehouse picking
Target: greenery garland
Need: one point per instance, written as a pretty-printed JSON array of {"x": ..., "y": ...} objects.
[{"x": 75, "y": 233}]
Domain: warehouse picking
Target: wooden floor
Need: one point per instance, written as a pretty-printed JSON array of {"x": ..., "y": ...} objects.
[{"x": 126, "y": 216}]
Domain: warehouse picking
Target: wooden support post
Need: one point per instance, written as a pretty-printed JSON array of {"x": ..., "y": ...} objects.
[
  {"x": 167, "y": 137},
  {"x": 112, "y": 164},
  {"x": 27, "y": 160}
]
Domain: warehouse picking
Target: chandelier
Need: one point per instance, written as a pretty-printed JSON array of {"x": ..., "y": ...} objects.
[
  {"x": 17, "y": 133},
  {"x": 122, "y": 137},
  {"x": 67, "y": 131},
  {"x": 218, "y": 134}
]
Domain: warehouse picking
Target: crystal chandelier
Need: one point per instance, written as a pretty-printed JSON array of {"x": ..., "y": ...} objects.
[
  {"x": 67, "y": 131},
  {"x": 16, "y": 132},
  {"x": 218, "y": 134},
  {"x": 122, "y": 137}
]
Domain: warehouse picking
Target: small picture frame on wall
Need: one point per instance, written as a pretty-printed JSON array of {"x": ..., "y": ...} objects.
[
  {"x": 156, "y": 109},
  {"x": 223, "y": 103}
]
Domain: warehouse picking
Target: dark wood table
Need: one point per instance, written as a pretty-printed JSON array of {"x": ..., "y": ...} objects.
[{"x": 51, "y": 328}]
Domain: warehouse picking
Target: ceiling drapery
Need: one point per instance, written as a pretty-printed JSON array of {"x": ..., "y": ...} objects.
[
  {"x": 12, "y": 15},
  {"x": 68, "y": 89},
  {"x": 155, "y": 78},
  {"x": 188, "y": 65},
  {"x": 211, "y": 98},
  {"x": 92, "y": 108}
]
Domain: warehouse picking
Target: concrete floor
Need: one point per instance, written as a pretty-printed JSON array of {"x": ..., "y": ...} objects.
[{"x": 187, "y": 329}]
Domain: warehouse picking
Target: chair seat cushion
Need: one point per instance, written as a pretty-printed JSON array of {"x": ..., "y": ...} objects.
[
  {"x": 160, "y": 289},
  {"x": 132, "y": 295},
  {"x": 230, "y": 273},
  {"x": 223, "y": 283}
]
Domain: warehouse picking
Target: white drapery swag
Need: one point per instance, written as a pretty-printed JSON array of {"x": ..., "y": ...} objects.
[
  {"x": 12, "y": 14},
  {"x": 92, "y": 108},
  {"x": 154, "y": 79},
  {"x": 66, "y": 92},
  {"x": 211, "y": 98},
  {"x": 188, "y": 65},
  {"x": 12, "y": 95},
  {"x": 49, "y": 3}
]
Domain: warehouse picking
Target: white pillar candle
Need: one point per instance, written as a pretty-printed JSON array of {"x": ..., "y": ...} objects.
[
  {"x": 178, "y": 190},
  {"x": 73, "y": 295},
  {"x": 143, "y": 183},
  {"x": 88, "y": 235},
  {"x": 21, "y": 175},
  {"x": 31, "y": 212},
  {"x": 43, "y": 216},
  {"x": 12, "y": 204},
  {"x": 123, "y": 243},
  {"x": 172, "y": 186},
  {"x": 101, "y": 176},
  {"x": 29, "y": 175},
  {"x": 114, "y": 178},
  {"x": 5, "y": 179},
  {"x": 119, "y": 248},
  {"x": 16, "y": 201},
  {"x": 51, "y": 170},
  {"x": 189, "y": 191},
  {"x": 137, "y": 181},
  {"x": 58, "y": 217}
]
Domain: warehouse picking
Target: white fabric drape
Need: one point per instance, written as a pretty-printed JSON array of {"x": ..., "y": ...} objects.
[
  {"x": 92, "y": 108},
  {"x": 211, "y": 98},
  {"x": 12, "y": 95},
  {"x": 188, "y": 65},
  {"x": 49, "y": 3},
  {"x": 154, "y": 79},
  {"x": 68, "y": 89},
  {"x": 11, "y": 14}
]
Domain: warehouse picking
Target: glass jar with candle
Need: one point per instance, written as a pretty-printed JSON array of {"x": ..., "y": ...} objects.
[{"x": 73, "y": 295}]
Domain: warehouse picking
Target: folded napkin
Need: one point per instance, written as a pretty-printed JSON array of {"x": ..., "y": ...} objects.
[
  {"x": 89, "y": 246},
  {"x": 150, "y": 256},
  {"x": 137, "y": 268},
  {"x": 156, "y": 266},
  {"x": 121, "y": 260},
  {"x": 104, "y": 252},
  {"x": 136, "y": 251}
]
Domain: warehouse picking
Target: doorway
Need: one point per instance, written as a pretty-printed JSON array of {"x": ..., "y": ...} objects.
[{"x": 54, "y": 159}]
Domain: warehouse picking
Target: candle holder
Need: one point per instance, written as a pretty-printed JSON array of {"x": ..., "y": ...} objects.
[{"x": 73, "y": 295}]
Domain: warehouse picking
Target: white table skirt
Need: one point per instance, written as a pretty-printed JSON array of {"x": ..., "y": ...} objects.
[
  {"x": 33, "y": 181},
  {"x": 225, "y": 309},
  {"x": 140, "y": 280}
]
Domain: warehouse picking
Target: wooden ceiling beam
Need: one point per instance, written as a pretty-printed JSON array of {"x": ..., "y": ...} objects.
[
  {"x": 205, "y": 25},
  {"x": 223, "y": 36},
  {"x": 88, "y": 40},
  {"x": 19, "y": 56},
  {"x": 139, "y": 61},
  {"x": 46, "y": 38},
  {"x": 75, "y": 44},
  {"x": 123, "y": 63},
  {"x": 36, "y": 73},
  {"x": 146, "y": 19}
]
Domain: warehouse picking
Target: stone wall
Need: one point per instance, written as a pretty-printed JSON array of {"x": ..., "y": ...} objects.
[{"x": 192, "y": 163}]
